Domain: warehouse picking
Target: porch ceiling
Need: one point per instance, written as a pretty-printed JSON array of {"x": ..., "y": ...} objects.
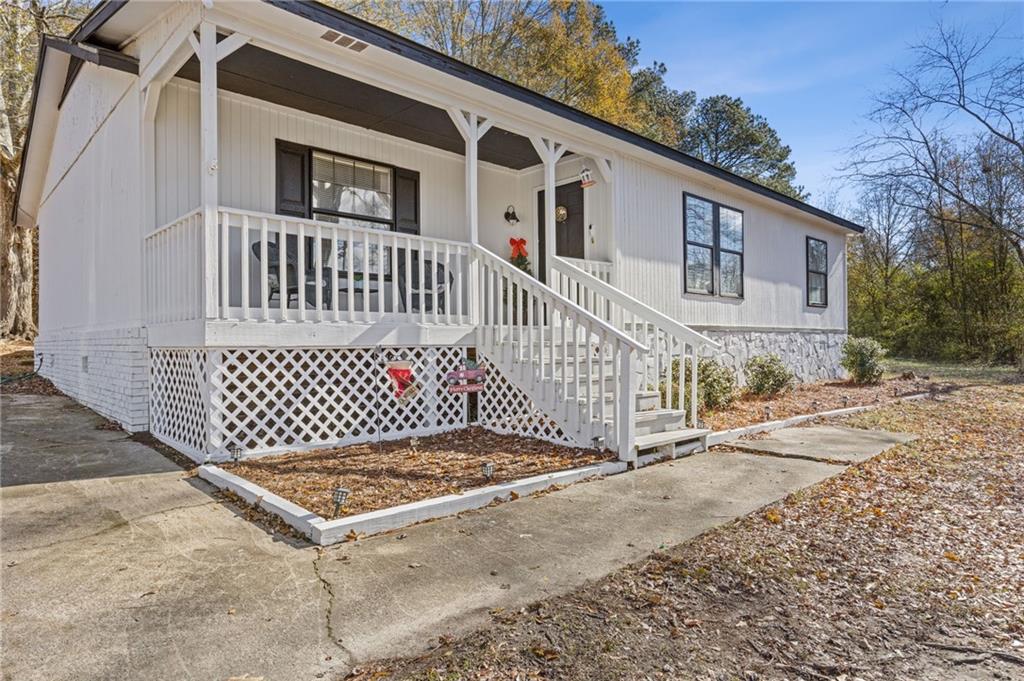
[{"x": 266, "y": 75}]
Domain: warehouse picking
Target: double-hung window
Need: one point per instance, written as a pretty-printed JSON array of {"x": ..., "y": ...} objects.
[
  {"x": 714, "y": 248},
  {"x": 817, "y": 272}
]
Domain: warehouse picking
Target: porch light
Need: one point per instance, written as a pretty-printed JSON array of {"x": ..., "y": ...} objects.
[
  {"x": 586, "y": 178},
  {"x": 339, "y": 497},
  {"x": 510, "y": 215},
  {"x": 487, "y": 468}
]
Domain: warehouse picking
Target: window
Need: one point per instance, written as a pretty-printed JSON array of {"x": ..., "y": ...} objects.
[
  {"x": 350, "y": 192},
  {"x": 817, "y": 272},
  {"x": 714, "y": 248}
]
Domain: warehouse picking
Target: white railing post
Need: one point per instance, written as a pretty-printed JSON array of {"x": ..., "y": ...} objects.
[
  {"x": 693, "y": 386},
  {"x": 625, "y": 425},
  {"x": 207, "y": 54}
]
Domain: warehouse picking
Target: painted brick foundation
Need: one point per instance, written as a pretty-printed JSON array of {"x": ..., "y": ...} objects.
[
  {"x": 811, "y": 355},
  {"x": 106, "y": 370}
]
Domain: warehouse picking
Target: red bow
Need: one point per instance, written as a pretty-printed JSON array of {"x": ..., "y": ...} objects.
[{"x": 518, "y": 247}]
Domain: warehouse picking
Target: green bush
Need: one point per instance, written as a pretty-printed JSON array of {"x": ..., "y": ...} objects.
[
  {"x": 716, "y": 385},
  {"x": 767, "y": 375},
  {"x": 862, "y": 357}
]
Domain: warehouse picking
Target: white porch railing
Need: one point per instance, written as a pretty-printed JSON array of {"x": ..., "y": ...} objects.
[
  {"x": 324, "y": 272},
  {"x": 173, "y": 257},
  {"x": 667, "y": 339},
  {"x": 564, "y": 357},
  {"x": 602, "y": 269}
]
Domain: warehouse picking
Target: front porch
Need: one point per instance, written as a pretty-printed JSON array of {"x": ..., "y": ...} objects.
[{"x": 278, "y": 296}]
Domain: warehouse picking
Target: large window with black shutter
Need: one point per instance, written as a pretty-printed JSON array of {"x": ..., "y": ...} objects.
[
  {"x": 713, "y": 248},
  {"x": 347, "y": 191}
]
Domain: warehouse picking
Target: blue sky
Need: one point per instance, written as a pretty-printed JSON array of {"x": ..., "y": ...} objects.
[{"x": 809, "y": 68}]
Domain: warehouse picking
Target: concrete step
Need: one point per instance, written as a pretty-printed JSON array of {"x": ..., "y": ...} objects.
[{"x": 669, "y": 438}]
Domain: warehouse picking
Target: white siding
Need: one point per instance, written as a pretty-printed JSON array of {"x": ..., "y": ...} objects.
[
  {"x": 89, "y": 235},
  {"x": 248, "y": 130},
  {"x": 650, "y": 262}
]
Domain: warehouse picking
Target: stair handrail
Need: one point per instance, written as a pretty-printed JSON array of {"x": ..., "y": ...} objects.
[
  {"x": 628, "y": 302},
  {"x": 531, "y": 281}
]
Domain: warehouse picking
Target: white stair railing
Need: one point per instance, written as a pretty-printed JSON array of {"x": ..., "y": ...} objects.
[
  {"x": 173, "y": 261},
  {"x": 668, "y": 340},
  {"x": 560, "y": 355}
]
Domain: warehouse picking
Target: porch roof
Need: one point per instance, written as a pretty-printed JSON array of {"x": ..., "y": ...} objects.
[{"x": 276, "y": 78}]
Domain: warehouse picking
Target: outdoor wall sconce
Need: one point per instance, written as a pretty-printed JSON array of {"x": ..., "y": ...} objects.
[
  {"x": 510, "y": 215},
  {"x": 586, "y": 178},
  {"x": 561, "y": 214}
]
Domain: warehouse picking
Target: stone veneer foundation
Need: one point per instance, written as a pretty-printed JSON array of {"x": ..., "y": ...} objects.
[{"x": 811, "y": 355}]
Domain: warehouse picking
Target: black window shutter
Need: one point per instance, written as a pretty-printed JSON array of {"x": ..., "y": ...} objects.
[
  {"x": 292, "y": 179},
  {"x": 407, "y": 201}
]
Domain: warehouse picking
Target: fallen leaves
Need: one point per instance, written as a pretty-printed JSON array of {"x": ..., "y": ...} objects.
[{"x": 385, "y": 474}]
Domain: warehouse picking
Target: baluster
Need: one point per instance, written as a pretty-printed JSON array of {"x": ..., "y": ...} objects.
[
  {"x": 334, "y": 274},
  {"x": 601, "y": 388},
  {"x": 565, "y": 361},
  {"x": 282, "y": 268},
  {"x": 264, "y": 270},
  {"x": 394, "y": 273},
  {"x": 408, "y": 278},
  {"x": 300, "y": 269},
  {"x": 420, "y": 257},
  {"x": 528, "y": 294},
  {"x": 681, "y": 388},
  {"x": 381, "y": 267},
  {"x": 656, "y": 349},
  {"x": 224, "y": 265},
  {"x": 444, "y": 284},
  {"x": 617, "y": 395},
  {"x": 318, "y": 276},
  {"x": 693, "y": 386},
  {"x": 245, "y": 266},
  {"x": 433, "y": 278},
  {"x": 669, "y": 344},
  {"x": 366, "y": 276},
  {"x": 590, "y": 375},
  {"x": 350, "y": 273},
  {"x": 540, "y": 344}
]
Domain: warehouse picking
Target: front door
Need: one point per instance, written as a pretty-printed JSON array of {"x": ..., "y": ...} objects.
[{"x": 570, "y": 232}]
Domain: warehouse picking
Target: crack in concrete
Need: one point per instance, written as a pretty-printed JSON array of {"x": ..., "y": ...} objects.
[{"x": 326, "y": 585}]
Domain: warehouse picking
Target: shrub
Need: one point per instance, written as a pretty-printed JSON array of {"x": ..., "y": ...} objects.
[
  {"x": 862, "y": 357},
  {"x": 716, "y": 385},
  {"x": 767, "y": 375}
]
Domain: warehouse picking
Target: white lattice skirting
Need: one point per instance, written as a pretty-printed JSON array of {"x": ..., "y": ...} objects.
[{"x": 208, "y": 402}]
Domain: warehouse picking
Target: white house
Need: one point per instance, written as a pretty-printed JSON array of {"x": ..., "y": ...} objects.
[{"x": 249, "y": 212}]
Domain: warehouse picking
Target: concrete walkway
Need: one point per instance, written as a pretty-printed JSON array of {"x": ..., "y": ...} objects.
[
  {"x": 149, "y": 576},
  {"x": 823, "y": 443}
]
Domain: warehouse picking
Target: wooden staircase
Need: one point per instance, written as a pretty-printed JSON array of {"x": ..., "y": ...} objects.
[{"x": 594, "y": 374}]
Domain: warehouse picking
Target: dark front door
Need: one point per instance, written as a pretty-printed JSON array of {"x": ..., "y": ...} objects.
[{"x": 570, "y": 233}]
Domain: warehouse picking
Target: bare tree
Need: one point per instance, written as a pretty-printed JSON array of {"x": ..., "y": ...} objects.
[{"x": 952, "y": 130}]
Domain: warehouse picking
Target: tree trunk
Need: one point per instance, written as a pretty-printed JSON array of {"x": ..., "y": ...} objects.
[{"x": 16, "y": 281}]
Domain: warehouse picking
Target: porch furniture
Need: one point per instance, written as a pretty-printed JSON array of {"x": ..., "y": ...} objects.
[
  {"x": 433, "y": 287},
  {"x": 292, "y": 286}
]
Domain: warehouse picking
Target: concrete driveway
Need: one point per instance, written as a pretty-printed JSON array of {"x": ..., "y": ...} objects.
[{"x": 149, "y": 576}]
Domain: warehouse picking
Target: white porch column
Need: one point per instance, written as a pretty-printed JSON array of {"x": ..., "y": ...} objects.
[
  {"x": 472, "y": 128},
  {"x": 208, "y": 171},
  {"x": 550, "y": 152}
]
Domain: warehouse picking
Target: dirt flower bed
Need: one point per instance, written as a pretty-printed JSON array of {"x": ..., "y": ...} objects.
[
  {"x": 387, "y": 474},
  {"x": 909, "y": 566},
  {"x": 810, "y": 398}
]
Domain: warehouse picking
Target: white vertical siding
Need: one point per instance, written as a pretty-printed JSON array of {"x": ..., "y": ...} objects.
[
  {"x": 650, "y": 259},
  {"x": 89, "y": 234}
]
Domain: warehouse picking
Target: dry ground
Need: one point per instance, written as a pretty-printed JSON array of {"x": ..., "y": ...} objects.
[
  {"x": 16, "y": 360},
  {"x": 390, "y": 473},
  {"x": 909, "y": 566},
  {"x": 810, "y": 398}
]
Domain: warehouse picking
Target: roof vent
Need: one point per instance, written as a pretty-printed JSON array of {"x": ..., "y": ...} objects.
[{"x": 344, "y": 41}]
